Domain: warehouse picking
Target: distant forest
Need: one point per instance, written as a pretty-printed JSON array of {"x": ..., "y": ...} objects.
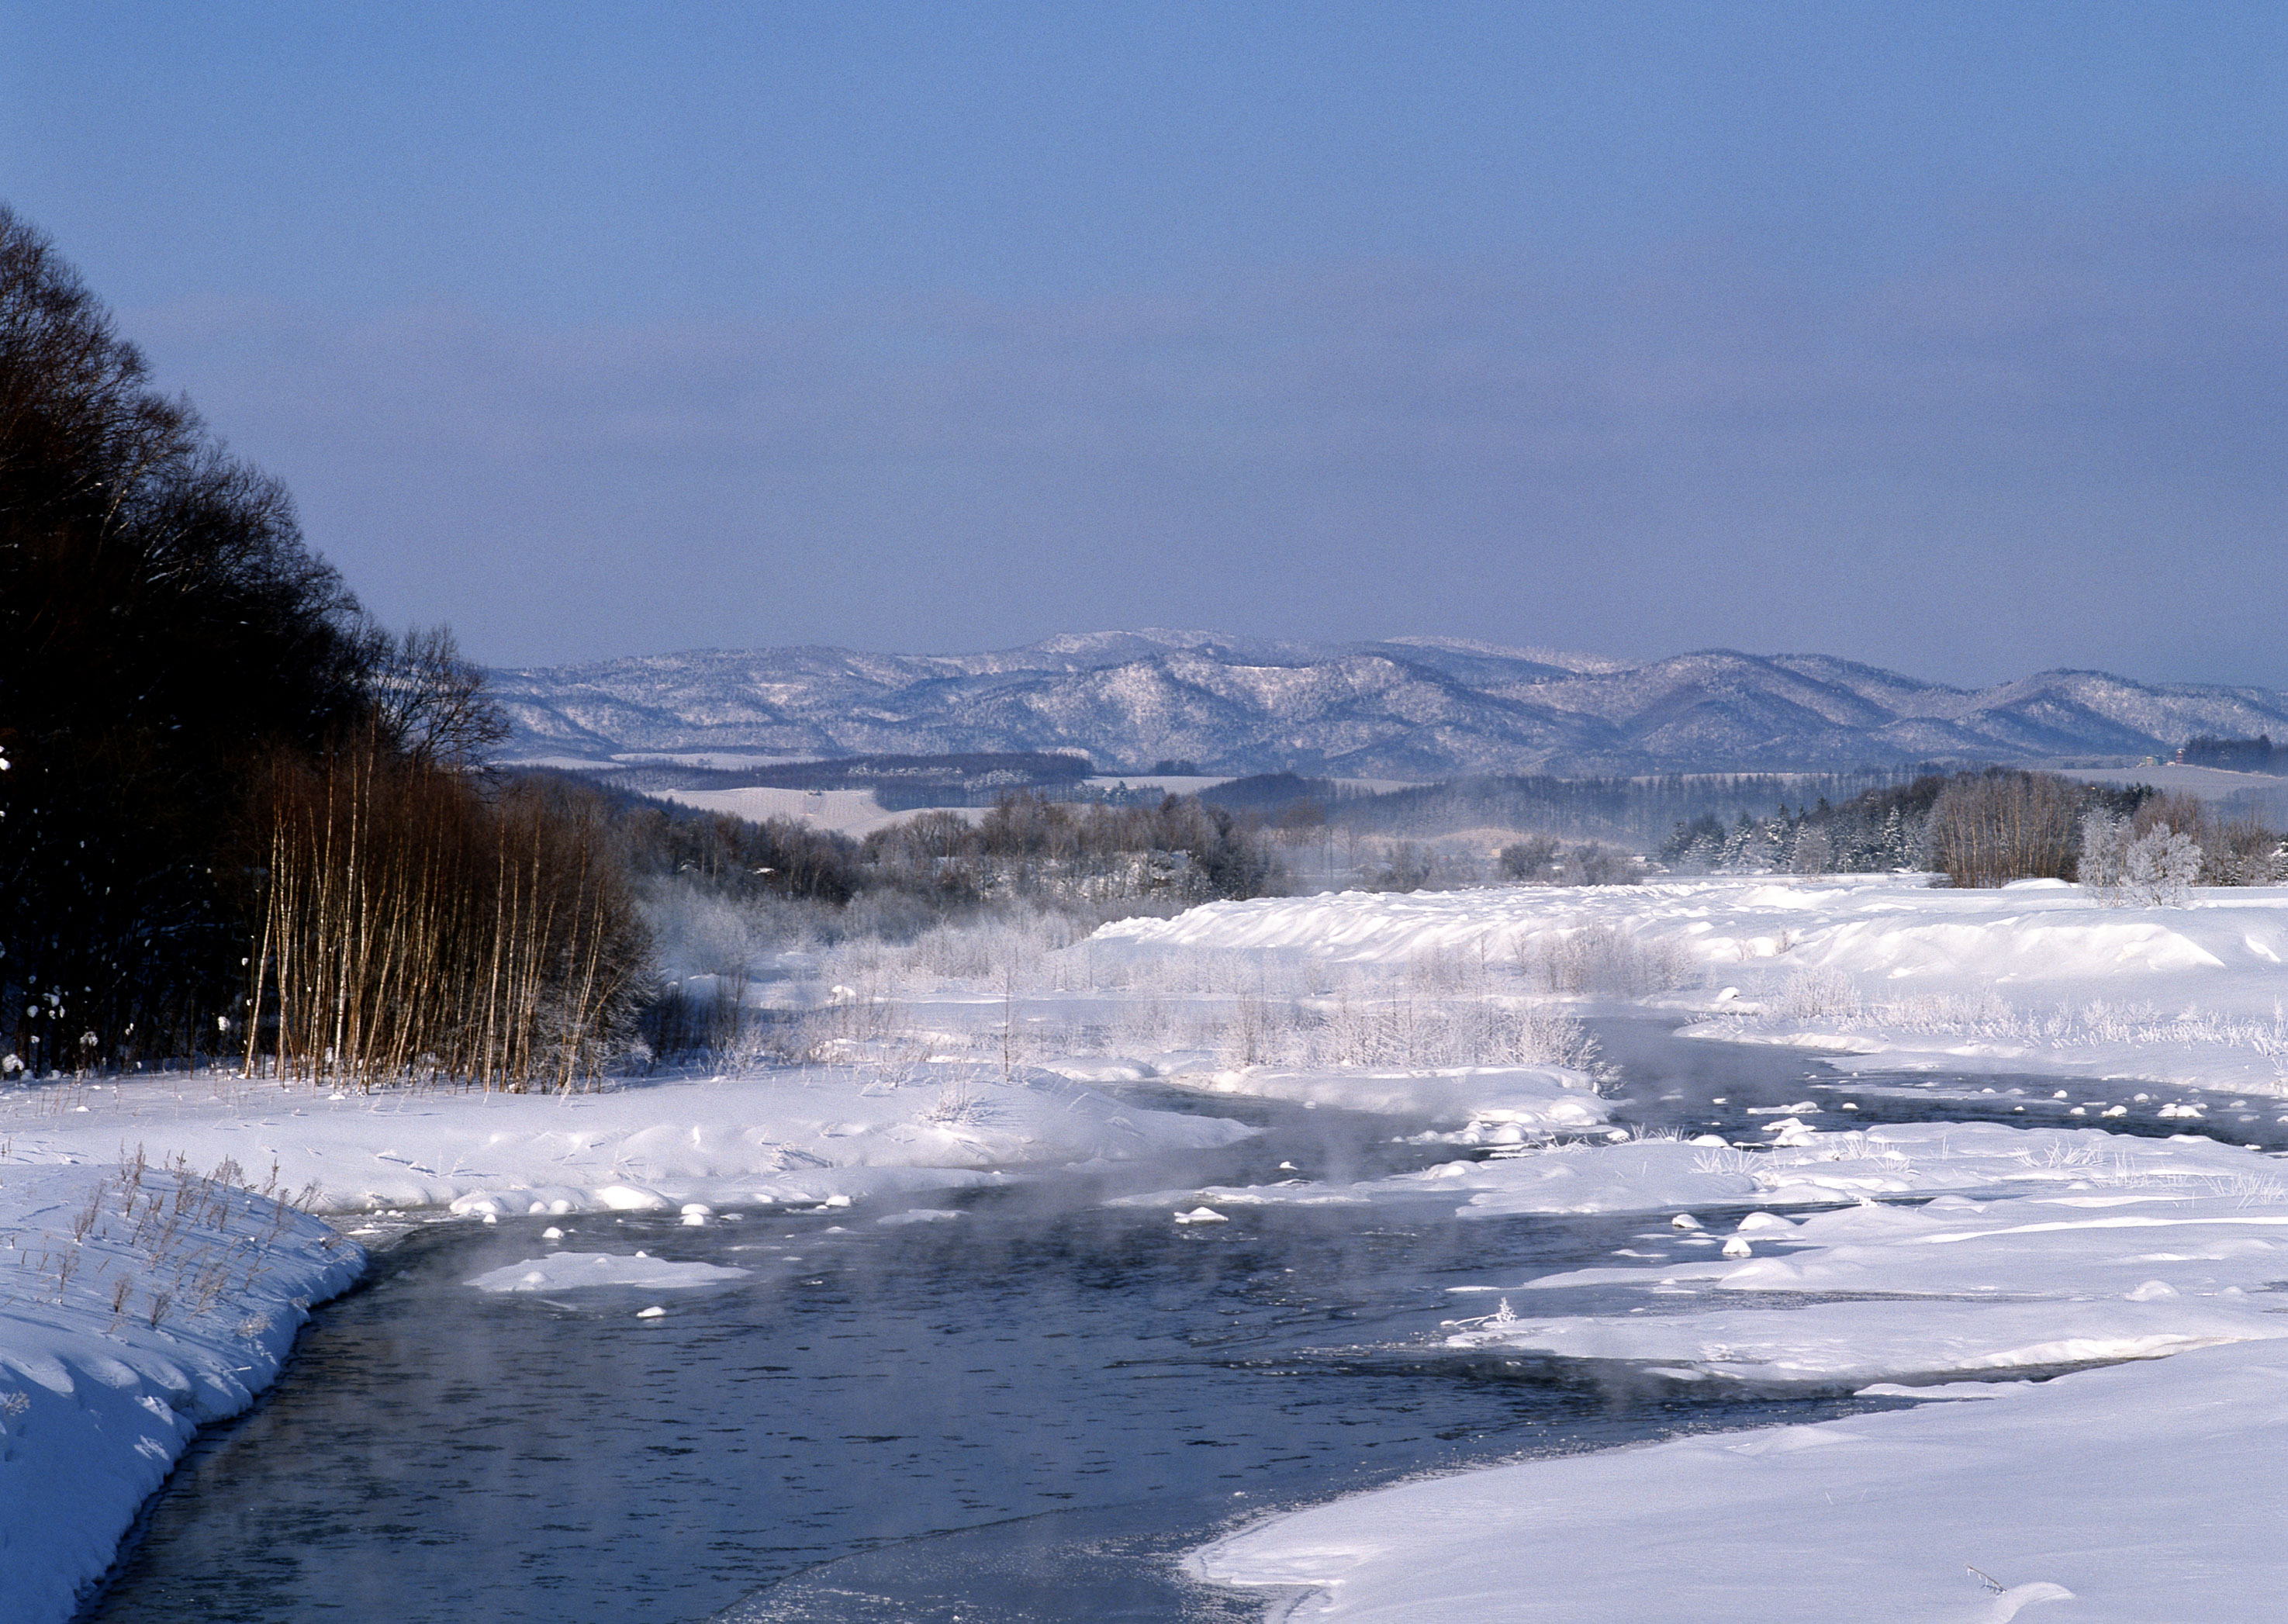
[{"x": 2256, "y": 755}]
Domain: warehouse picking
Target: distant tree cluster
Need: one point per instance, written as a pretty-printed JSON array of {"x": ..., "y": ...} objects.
[
  {"x": 1543, "y": 860},
  {"x": 1636, "y": 812},
  {"x": 1875, "y": 831},
  {"x": 1183, "y": 848},
  {"x": 1024, "y": 848},
  {"x": 2256, "y": 755},
  {"x": 1992, "y": 827}
]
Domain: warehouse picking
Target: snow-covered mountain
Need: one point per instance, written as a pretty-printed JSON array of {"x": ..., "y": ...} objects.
[{"x": 1413, "y": 708}]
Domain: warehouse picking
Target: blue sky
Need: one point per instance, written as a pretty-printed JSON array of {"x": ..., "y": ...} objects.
[{"x": 1946, "y": 338}]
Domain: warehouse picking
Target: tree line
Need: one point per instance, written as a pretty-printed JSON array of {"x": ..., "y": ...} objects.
[
  {"x": 237, "y": 816},
  {"x": 1991, "y": 827}
]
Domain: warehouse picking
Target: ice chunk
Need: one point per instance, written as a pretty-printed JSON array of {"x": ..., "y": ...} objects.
[{"x": 580, "y": 1270}]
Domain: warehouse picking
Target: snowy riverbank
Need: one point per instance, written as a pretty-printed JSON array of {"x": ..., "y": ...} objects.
[
  {"x": 2143, "y": 1490},
  {"x": 137, "y": 1304},
  {"x": 142, "y": 1300}
]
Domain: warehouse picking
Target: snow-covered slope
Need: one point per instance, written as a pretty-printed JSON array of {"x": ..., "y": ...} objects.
[{"x": 1405, "y": 708}]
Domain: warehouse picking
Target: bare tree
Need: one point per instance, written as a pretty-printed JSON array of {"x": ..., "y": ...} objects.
[{"x": 430, "y": 701}]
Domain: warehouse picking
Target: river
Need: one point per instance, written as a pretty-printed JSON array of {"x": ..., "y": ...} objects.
[{"x": 1022, "y": 1412}]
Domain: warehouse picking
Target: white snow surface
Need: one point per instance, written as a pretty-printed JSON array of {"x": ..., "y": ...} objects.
[
  {"x": 2026, "y": 978},
  {"x": 769, "y": 1136},
  {"x": 2147, "y": 1492},
  {"x": 1490, "y": 1104},
  {"x": 136, "y": 1305}
]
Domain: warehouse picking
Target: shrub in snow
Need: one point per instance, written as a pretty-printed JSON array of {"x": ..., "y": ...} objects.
[
  {"x": 1818, "y": 994},
  {"x": 2157, "y": 867},
  {"x": 1602, "y": 960},
  {"x": 2104, "y": 855}
]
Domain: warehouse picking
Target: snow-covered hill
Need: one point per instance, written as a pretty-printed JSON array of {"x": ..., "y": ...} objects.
[{"x": 1407, "y": 708}]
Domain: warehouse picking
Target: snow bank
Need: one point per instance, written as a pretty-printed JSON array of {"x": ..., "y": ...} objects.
[
  {"x": 2133, "y": 1270},
  {"x": 1806, "y": 1167},
  {"x": 1490, "y": 1104},
  {"x": 2030, "y": 977},
  {"x": 774, "y": 1136},
  {"x": 136, "y": 1304},
  {"x": 1886, "y": 928},
  {"x": 2142, "y": 1492}
]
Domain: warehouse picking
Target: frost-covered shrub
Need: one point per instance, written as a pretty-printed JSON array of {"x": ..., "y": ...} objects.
[
  {"x": 1601, "y": 960},
  {"x": 1529, "y": 859},
  {"x": 1590, "y": 863},
  {"x": 2159, "y": 867},
  {"x": 1817, "y": 994},
  {"x": 1357, "y": 1028},
  {"x": 2103, "y": 863}
]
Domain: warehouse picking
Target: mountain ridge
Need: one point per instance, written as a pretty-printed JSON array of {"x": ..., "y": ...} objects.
[{"x": 1406, "y": 707}]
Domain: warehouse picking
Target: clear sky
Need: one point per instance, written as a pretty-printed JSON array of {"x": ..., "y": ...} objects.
[{"x": 1949, "y": 337}]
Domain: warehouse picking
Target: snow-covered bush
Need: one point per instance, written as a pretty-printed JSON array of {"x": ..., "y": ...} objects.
[
  {"x": 2102, "y": 866},
  {"x": 2159, "y": 867},
  {"x": 1357, "y": 1028},
  {"x": 1817, "y": 994},
  {"x": 1601, "y": 960}
]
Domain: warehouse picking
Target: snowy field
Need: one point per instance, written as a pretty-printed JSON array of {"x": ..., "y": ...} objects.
[
  {"x": 2097, "y": 1316},
  {"x": 2035, "y": 977},
  {"x": 854, "y": 813}
]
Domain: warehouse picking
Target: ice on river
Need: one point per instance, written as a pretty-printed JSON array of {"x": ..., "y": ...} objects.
[
  {"x": 1806, "y": 1167},
  {"x": 2147, "y": 1488},
  {"x": 1491, "y": 1104},
  {"x": 1953, "y": 1286},
  {"x": 585, "y": 1270}
]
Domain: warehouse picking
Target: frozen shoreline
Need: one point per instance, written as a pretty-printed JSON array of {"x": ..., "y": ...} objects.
[
  {"x": 137, "y": 1305},
  {"x": 98, "y": 1397}
]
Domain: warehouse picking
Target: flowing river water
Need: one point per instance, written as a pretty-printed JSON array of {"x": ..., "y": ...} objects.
[{"x": 1024, "y": 1412}]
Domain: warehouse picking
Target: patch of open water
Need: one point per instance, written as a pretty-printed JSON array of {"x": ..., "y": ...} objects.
[{"x": 1019, "y": 1414}]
